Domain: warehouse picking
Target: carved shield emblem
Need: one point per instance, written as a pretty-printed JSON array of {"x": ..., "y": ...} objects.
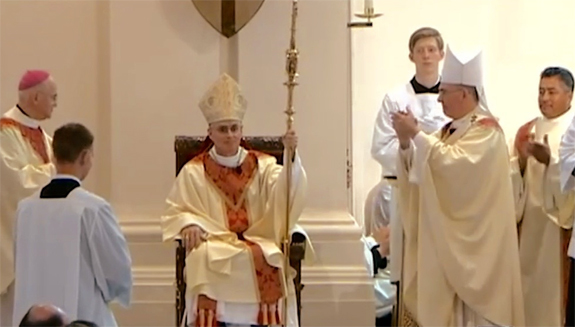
[{"x": 228, "y": 17}]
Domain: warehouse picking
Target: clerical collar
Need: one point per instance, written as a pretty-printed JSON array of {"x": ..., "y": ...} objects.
[
  {"x": 419, "y": 89},
  {"x": 18, "y": 115},
  {"x": 232, "y": 161},
  {"x": 566, "y": 115},
  {"x": 67, "y": 176},
  {"x": 22, "y": 110}
]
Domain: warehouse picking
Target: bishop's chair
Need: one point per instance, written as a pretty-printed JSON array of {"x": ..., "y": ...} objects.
[{"x": 186, "y": 148}]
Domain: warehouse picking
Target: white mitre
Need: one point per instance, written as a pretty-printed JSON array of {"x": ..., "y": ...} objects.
[
  {"x": 223, "y": 101},
  {"x": 465, "y": 69}
]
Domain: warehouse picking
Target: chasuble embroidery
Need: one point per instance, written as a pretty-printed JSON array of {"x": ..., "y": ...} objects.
[
  {"x": 35, "y": 136},
  {"x": 233, "y": 184}
]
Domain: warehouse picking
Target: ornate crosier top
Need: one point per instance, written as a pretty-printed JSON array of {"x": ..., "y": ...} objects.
[{"x": 291, "y": 66}]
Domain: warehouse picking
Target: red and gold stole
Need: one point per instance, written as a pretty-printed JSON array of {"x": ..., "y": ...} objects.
[
  {"x": 233, "y": 184},
  {"x": 33, "y": 135}
]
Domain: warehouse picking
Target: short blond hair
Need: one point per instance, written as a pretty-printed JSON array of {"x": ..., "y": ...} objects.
[{"x": 424, "y": 33}]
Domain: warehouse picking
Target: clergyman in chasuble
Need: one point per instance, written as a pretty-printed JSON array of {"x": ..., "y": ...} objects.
[
  {"x": 461, "y": 264},
  {"x": 26, "y": 151},
  {"x": 228, "y": 205},
  {"x": 544, "y": 212}
]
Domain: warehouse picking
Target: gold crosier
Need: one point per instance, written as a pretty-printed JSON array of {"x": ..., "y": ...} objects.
[{"x": 291, "y": 69}]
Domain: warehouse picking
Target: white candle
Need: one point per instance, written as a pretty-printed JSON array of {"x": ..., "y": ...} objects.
[{"x": 368, "y": 5}]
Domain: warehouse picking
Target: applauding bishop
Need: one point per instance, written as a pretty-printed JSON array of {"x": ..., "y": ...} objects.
[{"x": 461, "y": 266}]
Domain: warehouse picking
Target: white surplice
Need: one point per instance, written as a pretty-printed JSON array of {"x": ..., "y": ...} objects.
[
  {"x": 22, "y": 172},
  {"x": 567, "y": 170},
  {"x": 70, "y": 252},
  {"x": 429, "y": 114}
]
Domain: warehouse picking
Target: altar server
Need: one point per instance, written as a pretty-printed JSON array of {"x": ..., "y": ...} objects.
[
  {"x": 461, "y": 264},
  {"x": 25, "y": 166},
  {"x": 544, "y": 212},
  {"x": 426, "y": 51},
  {"x": 70, "y": 250}
]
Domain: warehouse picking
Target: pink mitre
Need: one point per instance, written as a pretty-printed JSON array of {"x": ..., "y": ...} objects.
[{"x": 32, "y": 78}]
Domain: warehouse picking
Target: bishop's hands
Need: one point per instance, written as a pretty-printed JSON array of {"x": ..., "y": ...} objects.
[
  {"x": 192, "y": 236},
  {"x": 405, "y": 126},
  {"x": 289, "y": 140}
]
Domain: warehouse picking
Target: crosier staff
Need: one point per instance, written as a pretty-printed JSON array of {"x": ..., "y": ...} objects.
[{"x": 291, "y": 69}]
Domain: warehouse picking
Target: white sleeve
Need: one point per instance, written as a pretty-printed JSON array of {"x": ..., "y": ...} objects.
[
  {"x": 111, "y": 259},
  {"x": 567, "y": 159},
  {"x": 17, "y": 169},
  {"x": 298, "y": 175},
  {"x": 432, "y": 122},
  {"x": 384, "y": 143}
]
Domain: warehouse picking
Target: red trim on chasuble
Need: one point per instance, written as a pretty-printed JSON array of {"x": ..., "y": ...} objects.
[
  {"x": 33, "y": 135},
  {"x": 565, "y": 269},
  {"x": 233, "y": 183},
  {"x": 489, "y": 122}
]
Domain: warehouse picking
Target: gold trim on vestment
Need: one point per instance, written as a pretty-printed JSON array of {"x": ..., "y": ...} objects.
[{"x": 242, "y": 198}]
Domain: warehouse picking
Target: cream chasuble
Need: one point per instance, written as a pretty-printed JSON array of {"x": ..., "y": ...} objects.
[
  {"x": 461, "y": 266},
  {"x": 236, "y": 275},
  {"x": 545, "y": 215},
  {"x": 26, "y": 166}
]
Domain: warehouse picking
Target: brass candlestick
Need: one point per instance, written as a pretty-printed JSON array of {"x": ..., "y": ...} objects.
[{"x": 369, "y": 14}]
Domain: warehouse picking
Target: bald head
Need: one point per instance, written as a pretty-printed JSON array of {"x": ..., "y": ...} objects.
[
  {"x": 39, "y": 101},
  {"x": 44, "y": 315}
]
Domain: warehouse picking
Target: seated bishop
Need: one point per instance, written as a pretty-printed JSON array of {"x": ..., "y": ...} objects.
[{"x": 228, "y": 205}]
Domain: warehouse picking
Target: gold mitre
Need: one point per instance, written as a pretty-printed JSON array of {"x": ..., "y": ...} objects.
[{"x": 223, "y": 101}]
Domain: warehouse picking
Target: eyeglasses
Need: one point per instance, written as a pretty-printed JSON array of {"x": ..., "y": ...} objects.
[{"x": 444, "y": 91}]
